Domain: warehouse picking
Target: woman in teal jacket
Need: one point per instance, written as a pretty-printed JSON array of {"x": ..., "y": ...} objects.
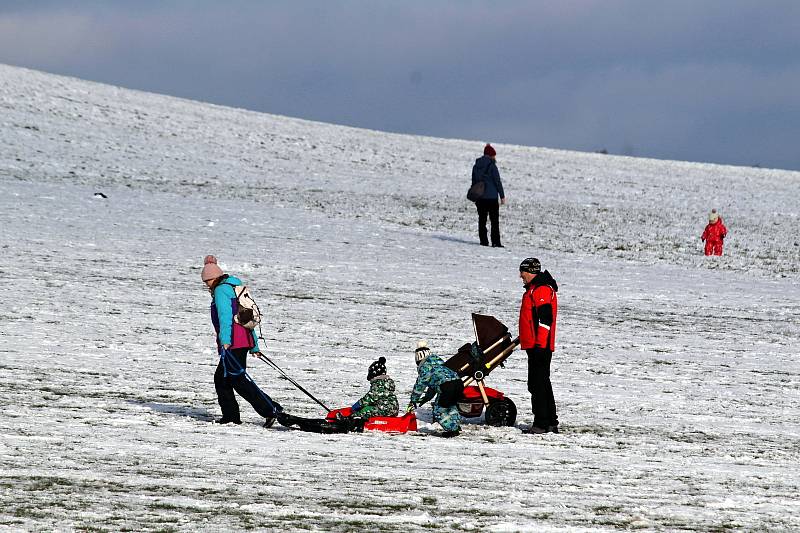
[{"x": 233, "y": 343}]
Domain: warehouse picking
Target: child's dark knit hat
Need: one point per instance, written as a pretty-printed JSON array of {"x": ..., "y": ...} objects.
[{"x": 378, "y": 368}]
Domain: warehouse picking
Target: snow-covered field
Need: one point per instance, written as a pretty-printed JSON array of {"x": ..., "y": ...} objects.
[{"x": 676, "y": 376}]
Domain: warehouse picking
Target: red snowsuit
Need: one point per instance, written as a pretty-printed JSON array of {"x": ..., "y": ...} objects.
[{"x": 713, "y": 236}]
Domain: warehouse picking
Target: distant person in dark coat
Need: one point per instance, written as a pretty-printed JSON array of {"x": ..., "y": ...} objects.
[{"x": 485, "y": 169}]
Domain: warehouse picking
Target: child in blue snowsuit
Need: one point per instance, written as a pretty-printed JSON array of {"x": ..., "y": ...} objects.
[{"x": 435, "y": 379}]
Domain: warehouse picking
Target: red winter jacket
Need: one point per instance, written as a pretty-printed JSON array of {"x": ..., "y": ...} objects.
[
  {"x": 537, "y": 314},
  {"x": 714, "y": 232}
]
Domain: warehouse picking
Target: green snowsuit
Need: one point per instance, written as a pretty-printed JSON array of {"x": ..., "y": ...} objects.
[{"x": 381, "y": 399}]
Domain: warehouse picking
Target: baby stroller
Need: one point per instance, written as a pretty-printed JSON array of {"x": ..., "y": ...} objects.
[{"x": 473, "y": 362}]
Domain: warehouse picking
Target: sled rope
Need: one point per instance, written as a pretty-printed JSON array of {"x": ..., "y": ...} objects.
[
  {"x": 285, "y": 376},
  {"x": 227, "y": 357}
]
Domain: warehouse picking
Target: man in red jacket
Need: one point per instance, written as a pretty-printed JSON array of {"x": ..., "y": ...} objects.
[{"x": 537, "y": 336}]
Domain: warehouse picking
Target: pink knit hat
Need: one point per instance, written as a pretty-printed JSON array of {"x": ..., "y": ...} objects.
[{"x": 210, "y": 269}]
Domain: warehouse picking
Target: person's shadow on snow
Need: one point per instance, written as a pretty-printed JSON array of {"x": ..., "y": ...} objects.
[
  {"x": 450, "y": 238},
  {"x": 180, "y": 410}
]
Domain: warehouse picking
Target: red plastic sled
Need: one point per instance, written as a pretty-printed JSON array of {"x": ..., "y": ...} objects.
[{"x": 389, "y": 424}]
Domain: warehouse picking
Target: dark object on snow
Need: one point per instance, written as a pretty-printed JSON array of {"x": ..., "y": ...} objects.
[
  {"x": 226, "y": 420},
  {"x": 323, "y": 425},
  {"x": 473, "y": 362},
  {"x": 536, "y": 430},
  {"x": 100, "y": 195}
]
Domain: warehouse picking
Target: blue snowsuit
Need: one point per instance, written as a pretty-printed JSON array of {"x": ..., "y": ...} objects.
[{"x": 432, "y": 374}]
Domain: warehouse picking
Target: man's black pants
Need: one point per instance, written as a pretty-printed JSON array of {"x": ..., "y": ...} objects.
[
  {"x": 246, "y": 388},
  {"x": 492, "y": 209},
  {"x": 542, "y": 401}
]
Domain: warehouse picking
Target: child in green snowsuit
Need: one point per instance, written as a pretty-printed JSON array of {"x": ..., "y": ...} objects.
[{"x": 381, "y": 399}]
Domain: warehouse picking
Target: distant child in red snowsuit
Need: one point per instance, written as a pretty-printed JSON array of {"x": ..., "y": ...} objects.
[{"x": 714, "y": 234}]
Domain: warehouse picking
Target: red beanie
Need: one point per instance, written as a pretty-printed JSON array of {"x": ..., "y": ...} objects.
[{"x": 488, "y": 150}]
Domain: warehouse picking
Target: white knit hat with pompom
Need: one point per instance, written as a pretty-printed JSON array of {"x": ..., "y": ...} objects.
[{"x": 422, "y": 352}]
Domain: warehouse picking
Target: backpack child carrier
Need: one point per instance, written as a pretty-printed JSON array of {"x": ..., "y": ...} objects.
[{"x": 248, "y": 314}]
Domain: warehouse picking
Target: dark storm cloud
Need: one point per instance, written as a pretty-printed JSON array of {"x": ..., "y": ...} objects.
[{"x": 706, "y": 81}]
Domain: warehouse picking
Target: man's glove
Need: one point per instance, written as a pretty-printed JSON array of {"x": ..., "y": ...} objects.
[{"x": 411, "y": 408}]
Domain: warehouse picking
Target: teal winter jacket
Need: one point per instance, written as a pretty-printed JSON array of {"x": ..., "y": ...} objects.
[
  {"x": 431, "y": 374},
  {"x": 224, "y": 306}
]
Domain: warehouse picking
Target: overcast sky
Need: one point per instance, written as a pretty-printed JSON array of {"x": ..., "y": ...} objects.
[{"x": 693, "y": 80}]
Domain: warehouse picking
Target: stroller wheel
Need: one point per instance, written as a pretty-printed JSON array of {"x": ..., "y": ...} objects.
[{"x": 501, "y": 413}]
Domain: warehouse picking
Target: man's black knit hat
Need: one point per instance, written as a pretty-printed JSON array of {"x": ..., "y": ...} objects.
[{"x": 531, "y": 265}]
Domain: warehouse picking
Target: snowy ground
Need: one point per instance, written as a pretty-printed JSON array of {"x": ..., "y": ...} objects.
[{"x": 676, "y": 376}]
